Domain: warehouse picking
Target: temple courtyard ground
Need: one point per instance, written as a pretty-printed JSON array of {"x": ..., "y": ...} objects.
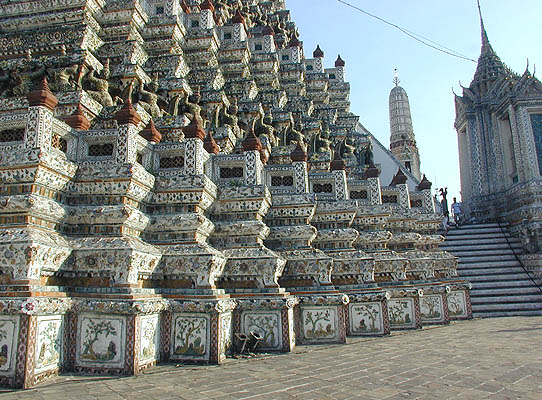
[{"x": 497, "y": 358}]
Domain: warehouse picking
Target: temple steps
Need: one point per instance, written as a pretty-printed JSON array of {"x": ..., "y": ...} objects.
[{"x": 487, "y": 258}]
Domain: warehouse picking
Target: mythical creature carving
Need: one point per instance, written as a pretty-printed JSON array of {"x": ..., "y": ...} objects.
[
  {"x": 347, "y": 148},
  {"x": 322, "y": 141},
  {"x": 150, "y": 100},
  {"x": 264, "y": 127},
  {"x": 229, "y": 117},
  {"x": 64, "y": 76},
  {"x": 23, "y": 78},
  {"x": 101, "y": 87},
  {"x": 293, "y": 133},
  {"x": 182, "y": 104}
]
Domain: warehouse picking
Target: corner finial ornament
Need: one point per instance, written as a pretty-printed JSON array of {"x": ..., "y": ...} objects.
[{"x": 396, "y": 79}]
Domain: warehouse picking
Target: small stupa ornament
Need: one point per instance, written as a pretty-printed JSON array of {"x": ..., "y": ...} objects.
[{"x": 396, "y": 79}]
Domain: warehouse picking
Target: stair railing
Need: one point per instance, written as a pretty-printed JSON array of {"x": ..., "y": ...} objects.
[{"x": 517, "y": 257}]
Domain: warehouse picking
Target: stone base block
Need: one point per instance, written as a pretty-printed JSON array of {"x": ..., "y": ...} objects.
[
  {"x": 404, "y": 309},
  {"x": 198, "y": 331},
  {"x": 102, "y": 343},
  {"x": 367, "y": 314},
  {"x": 32, "y": 340},
  {"x": 321, "y": 319},
  {"x": 459, "y": 304},
  {"x": 271, "y": 319},
  {"x": 434, "y": 310}
]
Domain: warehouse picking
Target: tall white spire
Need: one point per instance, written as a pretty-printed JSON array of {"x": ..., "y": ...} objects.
[{"x": 402, "y": 141}]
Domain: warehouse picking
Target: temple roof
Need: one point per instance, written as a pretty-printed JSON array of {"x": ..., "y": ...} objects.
[{"x": 490, "y": 67}]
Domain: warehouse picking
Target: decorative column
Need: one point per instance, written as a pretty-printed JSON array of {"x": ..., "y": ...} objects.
[
  {"x": 399, "y": 181},
  {"x": 375, "y": 193},
  {"x": 128, "y": 119},
  {"x": 32, "y": 341},
  {"x": 117, "y": 337},
  {"x": 428, "y": 204},
  {"x": 301, "y": 174},
  {"x": 252, "y": 148},
  {"x": 338, "y": 169},
  {"x": 195, "y": 154},
  {"x": 39, "y": 126}
]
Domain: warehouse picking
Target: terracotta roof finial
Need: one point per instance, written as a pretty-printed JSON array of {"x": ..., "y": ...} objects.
[
  {"x": 318, "y": 53},
  {"x": 151, "y": 133},
  {"x": 424, "y": 184},
  {"x": 399, "y": 179},
  {"x": 42, "y": 96},
  {"x": 299, "y": 154},
  {"x": 210, "y": 145},
  {"x": 194, "y": 130},
  {"x": 372, "y": 171},
  {"x": 127, "y": 114},
  {"x": 251, "y": 142},
  {"x": 78, "y": 119}
]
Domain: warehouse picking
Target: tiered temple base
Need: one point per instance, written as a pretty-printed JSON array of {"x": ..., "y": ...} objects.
[{"x": 130, "y": 237}]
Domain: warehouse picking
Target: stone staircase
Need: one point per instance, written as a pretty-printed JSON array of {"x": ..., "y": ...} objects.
[{"x": 500, "y": 286}]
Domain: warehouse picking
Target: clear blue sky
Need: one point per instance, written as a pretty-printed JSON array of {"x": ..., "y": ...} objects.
[{"x": 372, "y": 50}]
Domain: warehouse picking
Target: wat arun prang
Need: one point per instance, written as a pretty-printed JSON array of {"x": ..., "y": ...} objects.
[{"x": 175, "y": 173}]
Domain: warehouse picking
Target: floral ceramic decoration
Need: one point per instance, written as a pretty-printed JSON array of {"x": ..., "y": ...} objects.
[
  {"x": 457, "y": 304},
  {"x": 319, "y": 323},
  {"x": 431, "y": 307},
  {"x": 366, "y": 318},
  {"x": 401, "y": 313},
  {"x": 101, "y": 341},
  {"x": 150, "y": 334},
  {"x": 267, "y": 325},
  {"x": 191, "y": 336},
  {"x": 9, "y": 327},
  {"x": 49, "y": 343}
]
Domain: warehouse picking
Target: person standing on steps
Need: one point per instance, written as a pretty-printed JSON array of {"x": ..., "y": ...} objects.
[
  {"x": 457, "y": 212},
  {"x": 444, "y": 208}
]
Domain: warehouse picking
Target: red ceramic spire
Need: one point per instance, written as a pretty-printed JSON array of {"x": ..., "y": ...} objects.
[
  {"x": 151, "y": 133},
  {"x": 42, "y": 96},
  {"x": 194, "y": 130},
  {"x": 78, "y": 120},
  {"x": 127, "y": 114},
  {"x": 210, "y": 145},
  {"x": 318, "y": 53}
]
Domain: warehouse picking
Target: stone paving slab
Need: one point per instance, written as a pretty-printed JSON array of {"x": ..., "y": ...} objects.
[{"x": 497, "y": 358}]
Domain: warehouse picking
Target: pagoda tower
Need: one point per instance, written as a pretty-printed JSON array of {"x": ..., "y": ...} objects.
[
  {"x": 498, "y": 123},
  {"x": 402, "y": 141}
]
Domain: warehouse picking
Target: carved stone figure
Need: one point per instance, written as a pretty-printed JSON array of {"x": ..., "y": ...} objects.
[
  {"x": 264, "y": 127},
  {"x": 101, "y": 85},
  {"x": 323, "y": 142},
  {"x": 5, "y": 78},
  {"x": 25, "y": 77},
  {"x": 229, "y": 117},
  {"x": 64, "y": 76},
  {"x": 347, "y": 148},
  {"x": 149, "y": 99},
  {"x": 294, "y": 135}
]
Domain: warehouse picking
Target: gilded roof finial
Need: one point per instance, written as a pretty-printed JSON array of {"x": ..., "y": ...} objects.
[
  {"x": 486, "y": 46},
  {"x": 396, "y": 79}
]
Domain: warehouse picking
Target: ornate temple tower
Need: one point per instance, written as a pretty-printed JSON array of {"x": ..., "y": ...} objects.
[
  {"x": 402, "y": 140},
  {"x": 499, "y": 130}
]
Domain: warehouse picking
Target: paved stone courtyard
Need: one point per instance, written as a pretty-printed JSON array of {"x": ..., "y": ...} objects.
[{"x": 481, "y": 359}]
